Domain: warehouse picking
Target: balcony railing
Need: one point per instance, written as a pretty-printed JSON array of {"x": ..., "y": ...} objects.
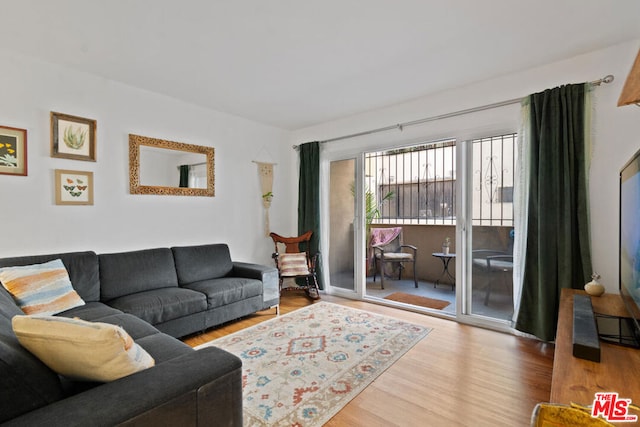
[
  {"x": 414, "y": 185},
  {"x": 417, "y": 185}
]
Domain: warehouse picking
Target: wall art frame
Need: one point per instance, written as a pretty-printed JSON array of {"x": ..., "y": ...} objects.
[
  {"x": 73, "y": 137},
  {"x": 137, "y": 142},
  {"x": 13, "y": 151},
  {"x": 73, "y": 187}
]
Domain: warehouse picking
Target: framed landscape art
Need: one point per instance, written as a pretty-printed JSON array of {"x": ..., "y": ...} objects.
[
  {"x": 13, "y": 151},
  {"x": 74, "y": 187},
  {"x": 73, "y": 137}
]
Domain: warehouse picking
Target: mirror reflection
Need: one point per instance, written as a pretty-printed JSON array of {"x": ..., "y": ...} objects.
[{"x": 170, "y": 168}]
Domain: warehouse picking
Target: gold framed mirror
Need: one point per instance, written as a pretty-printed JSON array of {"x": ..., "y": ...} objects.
[{"x": 169, "y": 168}]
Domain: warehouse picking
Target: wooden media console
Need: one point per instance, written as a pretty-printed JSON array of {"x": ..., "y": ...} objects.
[{"x": 577, "y": 380}]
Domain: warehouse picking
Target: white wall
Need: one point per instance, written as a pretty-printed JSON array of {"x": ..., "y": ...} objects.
[
  {"x": 30, "y": 221},
  {"x": 616, "y": 130}
]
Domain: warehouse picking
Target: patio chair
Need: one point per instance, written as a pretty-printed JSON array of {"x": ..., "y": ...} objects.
[
  {"x": 296, "y": 263},
  {"x": 497, "y": 264},
  {"x": 388, "y": 247},
  {"x": 499, "y": 267}
]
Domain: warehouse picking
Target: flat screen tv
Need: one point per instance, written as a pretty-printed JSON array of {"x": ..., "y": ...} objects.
[{"x": 626, "y": 330}]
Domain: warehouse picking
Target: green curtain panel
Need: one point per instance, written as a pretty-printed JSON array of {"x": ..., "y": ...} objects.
[
  {"x": 309, "y": 198},
  {"x": 558, "y": 251},
  {"x": 184, "y": 176}
]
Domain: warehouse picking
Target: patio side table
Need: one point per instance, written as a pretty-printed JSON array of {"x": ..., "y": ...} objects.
[{"x": 446, "y": 259}]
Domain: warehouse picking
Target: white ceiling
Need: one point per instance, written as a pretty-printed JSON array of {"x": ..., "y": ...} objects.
[{"x": 295, "y": 63}]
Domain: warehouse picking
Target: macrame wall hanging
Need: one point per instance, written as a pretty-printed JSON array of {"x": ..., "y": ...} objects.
[{"x": 265, "y": 172}]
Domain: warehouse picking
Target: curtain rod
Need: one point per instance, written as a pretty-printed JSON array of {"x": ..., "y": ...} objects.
[
  {"x": 194, "y": 164},
  {"x": 400, "y": 126}
]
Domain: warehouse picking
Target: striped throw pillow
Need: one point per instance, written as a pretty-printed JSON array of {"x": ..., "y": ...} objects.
[
  {"x": 81, "y": 350},
  {"x": 41, "y": 288},
  {"x": 293, "y": 264}
]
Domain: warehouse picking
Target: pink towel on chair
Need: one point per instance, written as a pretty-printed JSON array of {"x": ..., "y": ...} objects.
[{"x": 381, "y": 236}]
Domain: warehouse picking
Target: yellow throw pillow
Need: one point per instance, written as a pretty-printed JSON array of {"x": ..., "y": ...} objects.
[
  {"x": 41, "y": 288},
  {"x": 81, "y": 350},
  {"x": 293, "y": 264}
]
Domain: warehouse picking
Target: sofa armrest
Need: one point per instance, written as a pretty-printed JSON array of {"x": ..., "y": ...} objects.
[
  {"x": 268, "y": 276},
  {"x": 251, "y": 271},
  {"x": 203, "y": 387}
]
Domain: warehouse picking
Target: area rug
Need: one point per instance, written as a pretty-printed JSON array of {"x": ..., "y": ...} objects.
[
  {"x": 437, "y": 304},
  {"x": 301, "y": 368}
]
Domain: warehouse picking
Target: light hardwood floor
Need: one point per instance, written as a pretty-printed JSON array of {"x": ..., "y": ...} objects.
[{"x": 458, "y": 375}]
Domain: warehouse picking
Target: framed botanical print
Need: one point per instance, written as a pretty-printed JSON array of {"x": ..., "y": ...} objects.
[
  {"x": 74, "y": 187},
  {"x": 13, "y": 151},
  {"x": 73, "y": 137}
]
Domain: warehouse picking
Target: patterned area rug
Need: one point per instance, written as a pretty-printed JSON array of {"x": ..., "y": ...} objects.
[{"x": 301, "y": 368}]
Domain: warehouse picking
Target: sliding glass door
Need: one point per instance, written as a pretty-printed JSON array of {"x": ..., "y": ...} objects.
[
  {"x": 410, "y": 195},
  {"x": 445, "y": 191},
  {"x": 342, "y": 225},
  {"x": 490, "y": 164}
]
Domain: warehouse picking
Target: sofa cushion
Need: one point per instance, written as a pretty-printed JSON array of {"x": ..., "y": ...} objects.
[
  {"x": 127, "y": 273},
  {"x": 163, "y": 347},
  {"x": 134, "y": 326},
  {"x": 27, "y": 383},
  {"x": 81, "y": 266},
  {"x": 227, "y": 290},
  {"x": 99, "y": 312},
  {"x": 91, "y": 311},
  {"x": 81, "y": 350},
  {"x": 40, "y": 288},
  {"x": 161, "y": 305},
  {"x": 8, "y": 307},
  {"x": 196, "y": 263}
]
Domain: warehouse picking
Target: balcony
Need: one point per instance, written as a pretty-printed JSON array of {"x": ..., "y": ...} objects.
[
  {"x": 496, "y": 302},
  {"x": 415, "y": 188}
]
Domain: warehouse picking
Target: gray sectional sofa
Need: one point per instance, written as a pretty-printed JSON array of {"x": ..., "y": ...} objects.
[{"x": 156, "y": 295}]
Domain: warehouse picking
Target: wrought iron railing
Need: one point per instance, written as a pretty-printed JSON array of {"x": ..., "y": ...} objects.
[
  {"x": 417, "y": 185},
  {"x": 414, "y": 185},
  {"x": 494, "y": 163}
]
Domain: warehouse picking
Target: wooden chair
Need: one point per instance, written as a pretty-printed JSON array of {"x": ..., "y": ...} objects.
[
  {"x": 388, "y": 247},
  {"x": 296, "y": 263}
]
